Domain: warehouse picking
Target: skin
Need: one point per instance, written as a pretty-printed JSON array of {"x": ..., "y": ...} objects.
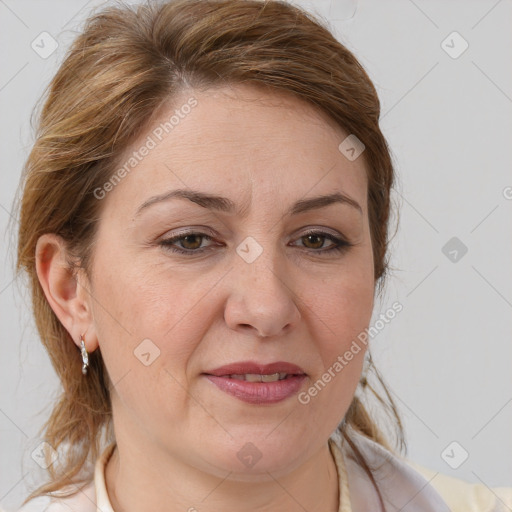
[{"x": 177, "y": 434}]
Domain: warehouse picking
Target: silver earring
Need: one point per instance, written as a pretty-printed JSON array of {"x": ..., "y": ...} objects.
[{"x": 85, "y": 355}]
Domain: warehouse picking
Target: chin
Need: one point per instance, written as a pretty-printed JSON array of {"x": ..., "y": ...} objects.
[{"x": 252, "y": 456}]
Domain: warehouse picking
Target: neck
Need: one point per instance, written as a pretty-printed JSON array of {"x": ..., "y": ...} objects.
[{"x": 149, "y": 479}]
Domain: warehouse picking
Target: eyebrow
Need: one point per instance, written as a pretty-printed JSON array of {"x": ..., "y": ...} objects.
[{"x": 223, "y": 204}]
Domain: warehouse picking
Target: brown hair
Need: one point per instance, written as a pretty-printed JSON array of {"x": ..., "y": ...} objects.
[{"x": 126, "y": 64}]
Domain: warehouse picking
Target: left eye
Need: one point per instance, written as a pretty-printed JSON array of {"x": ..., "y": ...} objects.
[{"x": 314, "y": 236}]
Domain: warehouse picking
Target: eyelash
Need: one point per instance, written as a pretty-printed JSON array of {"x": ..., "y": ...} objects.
[{"x": 339, "y": 246}]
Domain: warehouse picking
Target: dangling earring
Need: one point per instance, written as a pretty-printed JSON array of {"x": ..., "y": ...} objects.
[{"x": 85, "y": 355}]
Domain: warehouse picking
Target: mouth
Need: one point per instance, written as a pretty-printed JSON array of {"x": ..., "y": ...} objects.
[
  {"x": 257, "y": 372},
  {"x": 258, "y": 383},
  {"x": 256, "y": 377}
]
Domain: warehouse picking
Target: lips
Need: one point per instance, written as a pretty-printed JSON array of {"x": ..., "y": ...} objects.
[
  {"x": 258, "y": 384},
  {"x": 256, "y": 377},
  {"x": 251, "y": 368}
]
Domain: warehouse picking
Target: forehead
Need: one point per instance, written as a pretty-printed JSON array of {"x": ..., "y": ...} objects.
[{"x": 260, "y": 144}]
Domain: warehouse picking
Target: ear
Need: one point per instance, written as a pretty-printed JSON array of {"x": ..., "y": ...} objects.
[{"x": 66, "y": 292}]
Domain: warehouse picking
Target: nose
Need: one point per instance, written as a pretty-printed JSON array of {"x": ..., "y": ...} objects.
[{"x": 260, "y": 301}]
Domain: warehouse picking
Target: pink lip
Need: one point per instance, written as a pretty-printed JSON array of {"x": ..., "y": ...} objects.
[
  {"x": 258, "y": 392},
  {"x": 244, "y": 367}
]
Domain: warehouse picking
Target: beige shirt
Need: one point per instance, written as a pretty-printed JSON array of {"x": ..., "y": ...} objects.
[{"x": 405, "y": 486}]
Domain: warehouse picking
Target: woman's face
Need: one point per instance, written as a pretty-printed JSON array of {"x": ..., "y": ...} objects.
[{"x": 250, "y": 285}]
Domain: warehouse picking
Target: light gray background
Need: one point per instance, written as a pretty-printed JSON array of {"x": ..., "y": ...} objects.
[{"x": 447, "y": 356}]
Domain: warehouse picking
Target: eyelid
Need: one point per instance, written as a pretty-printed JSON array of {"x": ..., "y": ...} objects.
[
  {"x": 194, "y": 230},
  {"x": 319, "y": 229}
]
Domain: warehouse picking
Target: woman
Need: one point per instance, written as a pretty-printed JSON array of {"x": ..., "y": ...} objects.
[{"x": 205, "y": 221}]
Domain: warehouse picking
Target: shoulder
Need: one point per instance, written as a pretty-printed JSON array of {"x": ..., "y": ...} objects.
[
  {"x": 404, "y": 482},
  {"x": 82, "y": 501},
  {"x": 400, "y": 486},
  {"x": 462, "y": 496},
  {"x": 90, "y": 496}
]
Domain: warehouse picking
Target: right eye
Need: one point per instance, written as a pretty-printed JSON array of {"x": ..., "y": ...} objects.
[{"x": 188, "y": 243}]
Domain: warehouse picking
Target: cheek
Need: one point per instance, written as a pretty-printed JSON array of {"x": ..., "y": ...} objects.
[
  {"x": 341, "y": 317},
  {"x": 344, "y": 312},
  {"x": 341, "y": 311},
  {"x": 146, "y": 338},
  {"x": 343, "y": 306},
  {"x": 149, "y": 321},
  {"x": 144, "y": 298}
]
